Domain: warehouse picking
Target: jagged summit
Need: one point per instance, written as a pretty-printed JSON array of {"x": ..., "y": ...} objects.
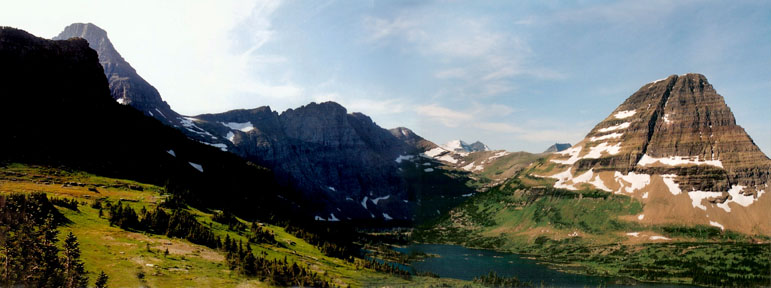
[
  {"x": 557, "y": 147},
  {"x": 461, "y": 146},
  {"x": 126, "y": 86},
  {"x": 678, "y": 136}
]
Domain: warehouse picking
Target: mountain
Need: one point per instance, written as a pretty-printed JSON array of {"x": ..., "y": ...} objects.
[
  {"x": 663, "y": 188},
  {"x": 328, "y": 153},
  {"x": 56, "y": 109},
  {"x": 126, "y": 86},
  {"x": 344, "y": 162},
  {"x": 675, "y": 145},
  {"x": 557, "y": 147}
]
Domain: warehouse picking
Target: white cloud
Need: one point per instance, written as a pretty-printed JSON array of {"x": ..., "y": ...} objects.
[
  {"x": 446, "y": 116},
  {"x": 490, "y": 58}
]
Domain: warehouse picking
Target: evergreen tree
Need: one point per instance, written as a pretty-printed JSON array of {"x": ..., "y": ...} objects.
[
  {"x": 74, "y": 271},
  {"x": 101, "y": 281}
]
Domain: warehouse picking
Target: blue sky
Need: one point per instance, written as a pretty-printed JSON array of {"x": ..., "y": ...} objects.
[{"x": 516, "y": 75}]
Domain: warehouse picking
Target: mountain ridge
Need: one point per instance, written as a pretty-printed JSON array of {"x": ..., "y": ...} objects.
[{"x": 126, "y": 86}]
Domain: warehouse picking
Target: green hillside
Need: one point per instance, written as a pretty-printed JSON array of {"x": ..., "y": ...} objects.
[
  {"x": 586, "y": 232},
  {"x": 132, "y": 257}
]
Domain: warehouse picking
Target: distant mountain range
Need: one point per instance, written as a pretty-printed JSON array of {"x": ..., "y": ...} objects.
[{"x": 343, "y": 162}]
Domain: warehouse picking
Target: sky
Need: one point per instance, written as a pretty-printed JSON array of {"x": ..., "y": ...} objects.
[{"x": 516, "y": 75}]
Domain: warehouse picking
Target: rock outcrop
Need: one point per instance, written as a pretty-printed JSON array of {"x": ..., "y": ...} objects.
[
  {"x": 557, "y": 147},
  {"x": 126, "y": 86},
  {"x": 676, "y": 135}
]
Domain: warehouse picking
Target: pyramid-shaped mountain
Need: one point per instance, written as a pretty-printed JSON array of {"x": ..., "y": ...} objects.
[
  {"x": 675, "y": 145},
  {"x": 126, "y": 86}
]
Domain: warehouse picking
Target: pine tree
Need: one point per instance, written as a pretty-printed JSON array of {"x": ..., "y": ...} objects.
[
  {"x": 101, "y": 281},
  {"x": 74, "y": 271},
  {"x": 50, "y": 259}
]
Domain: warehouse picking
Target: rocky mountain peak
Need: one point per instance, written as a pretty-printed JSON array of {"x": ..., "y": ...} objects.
[
  {"x": 680, "y": 133},
  {"x": 126, "y": 86},
  {"x": 461, "y": 146}
]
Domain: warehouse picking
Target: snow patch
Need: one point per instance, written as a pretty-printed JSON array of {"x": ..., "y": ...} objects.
[
  {"x": 669, "y": 180},
  {"x": 573, "y": 152},
  {"x": 121, "y": 101},
  {"x": 171, "y": 152},
  {"x": 434, "y": 152},
  {"x": 698, "y": 196},
  {"x": 159, "y": 112},
  {"x": 645, "y": 195},
  {"x": 332, "y": 188},
  {"x": 380, "y": 198},
  {"x": 596, "y": 151},
  {"x": 498, "y": 155},
  {"x": 666, "y": 119},
  {"x": 636, "y": 181},
  {"x": 588, "y": 177},
  {"x": 244, "y": 127},
  {"x": 608, "y": 136},
  {"x": 713, "y": 223},
  {"x": 447, "y": 158},
  {"x": 467, "y": 195},
  {"x": 364, "y": 202},
  {"x": 678, "y": 160},
  {"x": 616, "y": 127},
  {"x": 599, "y": 184},
  {"x": 319, "y": 218},
  {"x": 222, "y": 146},
  {"x": 624, "y": 114},
  {"x": 659, "y": 238},
  {"x": 404, "y": 157},
  {"x": 428, "y": 170},
  {"x": 332, "y": 218},
  {"x": 472, "y": 167},
  {"x": 196, "y": 166},
  {"x": 387, "y": 217},
  {"x": 657, "y": 81},
  {"x": 230, "y": 136},
  {"x": 348, "y": 199}
]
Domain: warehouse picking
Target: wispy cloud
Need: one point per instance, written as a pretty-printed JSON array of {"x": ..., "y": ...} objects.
[
  {"x": 446, "y": 116},
  {"x": 481, "y": 117},
  {"x": 490, "y": 58}
]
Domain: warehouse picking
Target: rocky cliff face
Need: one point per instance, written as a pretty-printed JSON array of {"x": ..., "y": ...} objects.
[
  {"x": 341, "y": 160},
  {"x": 675, "y": 135},
  {"x": 126, "y": 86}
]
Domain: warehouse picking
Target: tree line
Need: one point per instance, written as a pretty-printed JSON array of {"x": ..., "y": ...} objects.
[
  {"x": 240, "y": 257},
  {"x": 29, "y": 251}
]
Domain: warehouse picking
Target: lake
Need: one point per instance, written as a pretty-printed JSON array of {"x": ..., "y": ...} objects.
[{"x": 464, "y": 263}]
